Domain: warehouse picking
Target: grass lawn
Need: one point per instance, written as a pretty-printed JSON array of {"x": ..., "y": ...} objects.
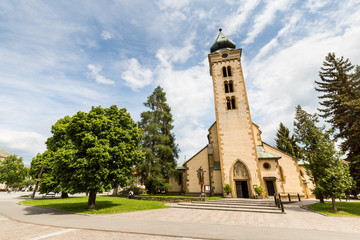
[
  {"x": 351, "y": 208},
  {"x": 104, "y": 204}
]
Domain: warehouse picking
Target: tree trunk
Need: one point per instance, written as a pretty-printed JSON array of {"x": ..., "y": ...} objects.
[
  {"x": 322, "y": 200},
  {"x": 91, "y": 200},
  {"x": 334, "y": 208},
  {"x": 115, "y": 191},
  {"x": 64, "y": 195}
]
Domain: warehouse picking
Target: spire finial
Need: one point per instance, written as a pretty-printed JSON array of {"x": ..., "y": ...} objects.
[{"x": 220, "y": 29}]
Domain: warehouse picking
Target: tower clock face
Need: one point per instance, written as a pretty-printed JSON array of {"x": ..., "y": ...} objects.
[{"x": 224, "y": 55}]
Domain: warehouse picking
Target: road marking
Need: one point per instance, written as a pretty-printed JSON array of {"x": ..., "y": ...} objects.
[
  {"x": 52, "y": 234},
  {"x": 2, "y": 218}
]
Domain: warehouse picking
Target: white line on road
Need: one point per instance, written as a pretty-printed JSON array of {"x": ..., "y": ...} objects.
[
  {"x": 2, "y": 218},
  {"x": 52, "y": 234}
]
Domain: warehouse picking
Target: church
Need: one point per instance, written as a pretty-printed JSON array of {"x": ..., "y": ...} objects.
[{"x": 235, "y": 153}]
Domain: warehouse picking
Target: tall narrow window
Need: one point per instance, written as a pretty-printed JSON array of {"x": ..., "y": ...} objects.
[
  {"x": 229, "y": 71},
  {"x": 224, "y": 72},
  {"x": 233, "y": 103},
  {"x": 228, "y": 103},
  {"x": 231, "y": 87},
  {"x": 226, "y": 86}
]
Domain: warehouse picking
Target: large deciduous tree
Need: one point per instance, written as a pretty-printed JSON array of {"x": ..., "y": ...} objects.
[
  {"x": 159, "y": 145},
  {"x": 12, "y": 171},
  {"x": 286, "y": 143},
  {"x": 329, "y": 174},
  {"x": 340, "y": 99},
  {"x": 91, "y": 152}
]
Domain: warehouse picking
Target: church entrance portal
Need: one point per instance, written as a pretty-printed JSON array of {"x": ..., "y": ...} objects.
[{"x": 242, "y": 189}]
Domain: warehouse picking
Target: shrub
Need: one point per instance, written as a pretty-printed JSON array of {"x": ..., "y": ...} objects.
[
  {"x": 227, "y": 189},
  {"x": 259, "y": 190}
]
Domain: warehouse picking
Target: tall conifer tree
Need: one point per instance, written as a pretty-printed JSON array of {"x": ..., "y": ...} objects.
[
  {"x": 159, "y": 145},
  {"x": 329, "y": 174},
  {"x": 341, "y": 106},
  {"x": 286, "y": 143}
]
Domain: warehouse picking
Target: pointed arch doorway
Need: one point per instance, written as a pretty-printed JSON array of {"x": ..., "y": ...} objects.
[{"x": 241, "y": 179}]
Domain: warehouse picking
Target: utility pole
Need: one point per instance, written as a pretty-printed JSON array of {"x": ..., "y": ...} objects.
[{"x": 37, "y": 182}]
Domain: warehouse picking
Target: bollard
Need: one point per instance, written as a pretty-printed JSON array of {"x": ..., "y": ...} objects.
[
  {"x": 299, "y": 198},
  {"x": 289, "y": 197}
]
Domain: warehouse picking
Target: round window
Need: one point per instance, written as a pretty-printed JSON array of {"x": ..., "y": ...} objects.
[
  {"x": 224, "y": 55},
  {"x": 266, "y": 165}
]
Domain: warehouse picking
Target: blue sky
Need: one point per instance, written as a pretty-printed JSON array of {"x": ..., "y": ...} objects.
[{"x": 60, "y": 57}]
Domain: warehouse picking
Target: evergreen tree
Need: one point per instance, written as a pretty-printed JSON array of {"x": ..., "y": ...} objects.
[
  {"x": 341, "y": 106},
  {"x": 286, "y": 143},
  {"x": 329, "y": 174},
  {"x": 159, "y": 145}
]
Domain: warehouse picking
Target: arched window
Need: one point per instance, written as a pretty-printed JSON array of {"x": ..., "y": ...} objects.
[
  {"x": 228, "y": 103},
  {"x": 233, "y": 103},
  {"x": 226, "y": 86},
  {"x": 231, "y": 87},
  {"x": 229, "y": 71},
  {"x": 224, "y": 72}
]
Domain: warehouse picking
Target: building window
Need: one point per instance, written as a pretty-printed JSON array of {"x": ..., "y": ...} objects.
[
  {"x": 233, "y": 103},
  {"x": 226, "y": 86},
  {"x": 229, "y": 71},
  {"x": 266, "y": 165},
  {"x": 180, "y": 179},
  {"x": 230, "y": 103},
  {"x": 224, "y": 72},
  {"x": 231, "y": 87}
]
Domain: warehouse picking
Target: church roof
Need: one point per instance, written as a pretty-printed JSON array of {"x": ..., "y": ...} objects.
[
  {"x": 4, "y": 153},
  {"x": 222, "y": 42},
  {"x": 180, "y": 166},
  {"x": 262, "y": 154}
]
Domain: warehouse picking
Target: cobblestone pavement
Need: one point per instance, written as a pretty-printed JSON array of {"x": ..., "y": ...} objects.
[
  {"x": 26, "y": 222},
  {"x": 10, "y": 230}
]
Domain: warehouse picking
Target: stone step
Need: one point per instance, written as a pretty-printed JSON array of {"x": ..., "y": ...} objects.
[
  {"x": 242, "y": 203},
  {"x": 232, "y": 206},
  {"x": 237, "y": 209}
]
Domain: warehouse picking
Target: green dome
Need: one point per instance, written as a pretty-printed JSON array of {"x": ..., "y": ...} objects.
[{"x": 222, "y": 42}]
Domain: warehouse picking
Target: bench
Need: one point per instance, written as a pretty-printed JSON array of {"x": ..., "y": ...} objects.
[
  {"x": 49, "y": 195},
  {"x": 289, "y": 196}
]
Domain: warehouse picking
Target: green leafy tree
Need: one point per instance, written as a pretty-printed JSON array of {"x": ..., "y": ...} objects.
[
  {"x": 340, "y": 99},
  {"x": 49, "y": 182},
  {"x": 323, "y": 164},
  {"x": 159, "y": 145},
  {"x": 91, "y": 152},
  {"x": 12, "y": 171},
  {"x": 336, "y": 181},
  {"x": 286, "y": 143}
]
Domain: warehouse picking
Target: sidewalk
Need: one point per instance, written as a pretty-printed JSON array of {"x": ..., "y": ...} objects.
[{"x": 191, "y": 223}]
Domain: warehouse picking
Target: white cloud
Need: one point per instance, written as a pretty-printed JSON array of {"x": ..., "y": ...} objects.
[
  {"x": 106, "y": 35},
  {"x": 315, "y": 5},
  {"x": 95, "y": 69},
  {"x": 135, "y": 75},
  {"x": 286, "y": 78},
  {"x": 172, "y": 4},
  {"x": 233, "y": 23},
  {"x": 29, "y": 143},
  {"x": 266, "y": 17}
]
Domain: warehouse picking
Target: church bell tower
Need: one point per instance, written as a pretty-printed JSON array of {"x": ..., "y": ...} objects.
[{"x": 239, "y": 163}]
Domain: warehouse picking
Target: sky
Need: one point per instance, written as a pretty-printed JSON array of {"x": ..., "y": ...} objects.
[{"x": 61, "y": 57}]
